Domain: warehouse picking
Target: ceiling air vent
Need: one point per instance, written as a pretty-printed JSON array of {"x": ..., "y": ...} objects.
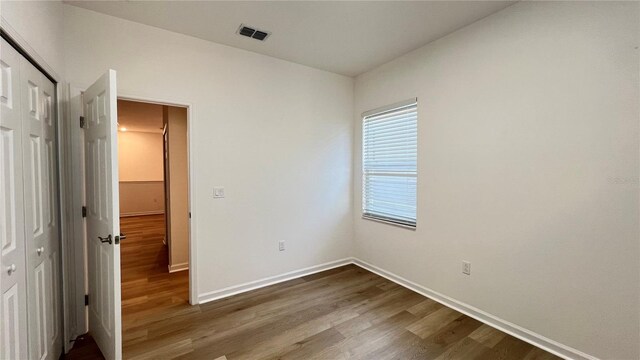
[{"x": 252, "y": 32}]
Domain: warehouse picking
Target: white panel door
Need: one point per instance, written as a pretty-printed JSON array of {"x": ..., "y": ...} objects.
[
  {"x": 13, "y": 314},
  {"x": 41, "y": 204},
  {"x": 52, "y": 221},
  {"x": 103, "y": 222}
]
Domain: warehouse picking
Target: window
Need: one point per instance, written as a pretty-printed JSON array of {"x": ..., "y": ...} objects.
[{"x": 389, "y": 163}]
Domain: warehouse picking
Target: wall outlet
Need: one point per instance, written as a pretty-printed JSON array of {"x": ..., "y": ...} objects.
[
  {"x": 466, "y": 267},
  {"x": 218, "y": 192},
  {"x": 281, "y": 245}
]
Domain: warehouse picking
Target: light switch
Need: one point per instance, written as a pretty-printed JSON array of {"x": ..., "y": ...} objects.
[{"x": 218, "y": 192}]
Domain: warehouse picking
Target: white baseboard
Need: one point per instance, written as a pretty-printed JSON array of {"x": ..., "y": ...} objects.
[
  {"x": 178, "y": 267},
  {"x": 237, "y": 289},
  {"x": 519, "y": 332},
  {"x": 142, "y": 213}
]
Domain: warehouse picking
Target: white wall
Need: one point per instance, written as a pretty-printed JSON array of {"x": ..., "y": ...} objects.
[
  {"x": 528, "y": 168},
  {"x": 277, "y": 135},
  {"x": 39, "y": 23}
]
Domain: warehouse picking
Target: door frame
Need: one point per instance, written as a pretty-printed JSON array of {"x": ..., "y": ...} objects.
[
  {"x": 193, "y": 292},
  {"x": 64, "y": 220},
  {"x": 78, "y": 260},
  {"x": 78, "y": 198}
]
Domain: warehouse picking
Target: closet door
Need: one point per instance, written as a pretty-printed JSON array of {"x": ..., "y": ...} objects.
[
  {"x": 13, "y": 314},
  {"x": 41, "y": 223}
]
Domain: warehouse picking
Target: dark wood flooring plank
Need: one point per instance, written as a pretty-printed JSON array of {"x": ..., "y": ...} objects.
[
  {"x": 508, "y": 348},
  {"x": 314, "y": 344}
]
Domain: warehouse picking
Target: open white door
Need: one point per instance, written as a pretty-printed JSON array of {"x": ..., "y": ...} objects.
[{"x": 103, "y": 223}]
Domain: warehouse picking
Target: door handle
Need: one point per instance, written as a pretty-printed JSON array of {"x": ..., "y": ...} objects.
[
  {"x": 11, "y": 269},
  {"x": 120, "y": 237},
  {"x": 40, "y": 250},
  {"x": 107, "y": 239}
]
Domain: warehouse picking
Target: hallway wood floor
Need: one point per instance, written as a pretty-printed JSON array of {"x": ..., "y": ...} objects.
[
  {"x": 149, "y": 291},
  {"x": 347, "y": 312}
]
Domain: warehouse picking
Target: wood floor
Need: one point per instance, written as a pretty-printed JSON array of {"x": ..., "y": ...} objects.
[{"x": 344, "y": 313}]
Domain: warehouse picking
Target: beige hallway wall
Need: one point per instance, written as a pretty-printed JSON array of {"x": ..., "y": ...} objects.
[
  {"x": 176, "y": 122},
  {"x": 141, "y": 198},
  {"x": 141, "y": 173}
]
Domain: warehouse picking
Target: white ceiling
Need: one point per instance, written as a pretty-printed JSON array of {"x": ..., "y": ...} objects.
[
  {"x": 345, "y": 37},
  {"x": 139, "y": 116}
]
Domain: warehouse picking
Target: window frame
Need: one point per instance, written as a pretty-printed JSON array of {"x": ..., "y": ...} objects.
[{"x": 364, "y": 214}]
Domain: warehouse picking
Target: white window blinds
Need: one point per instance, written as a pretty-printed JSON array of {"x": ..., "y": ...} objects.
[{"x": 389, "y": 163}]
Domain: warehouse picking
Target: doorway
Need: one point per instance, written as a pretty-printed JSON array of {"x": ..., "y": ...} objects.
[
  {"x": 102, "y": 280},
  {"x": 154, "y": 212}
]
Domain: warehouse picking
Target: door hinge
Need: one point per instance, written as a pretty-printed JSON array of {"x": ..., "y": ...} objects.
[
  {"x": 189, "y": 214},
  {"x": 86, "y": 300},
  {"x": 84, "y": 211},
  {"x": 82, "y": 122}
]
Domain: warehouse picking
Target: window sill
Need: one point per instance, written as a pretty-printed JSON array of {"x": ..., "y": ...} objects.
[{"x": 371, "y": 218}]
